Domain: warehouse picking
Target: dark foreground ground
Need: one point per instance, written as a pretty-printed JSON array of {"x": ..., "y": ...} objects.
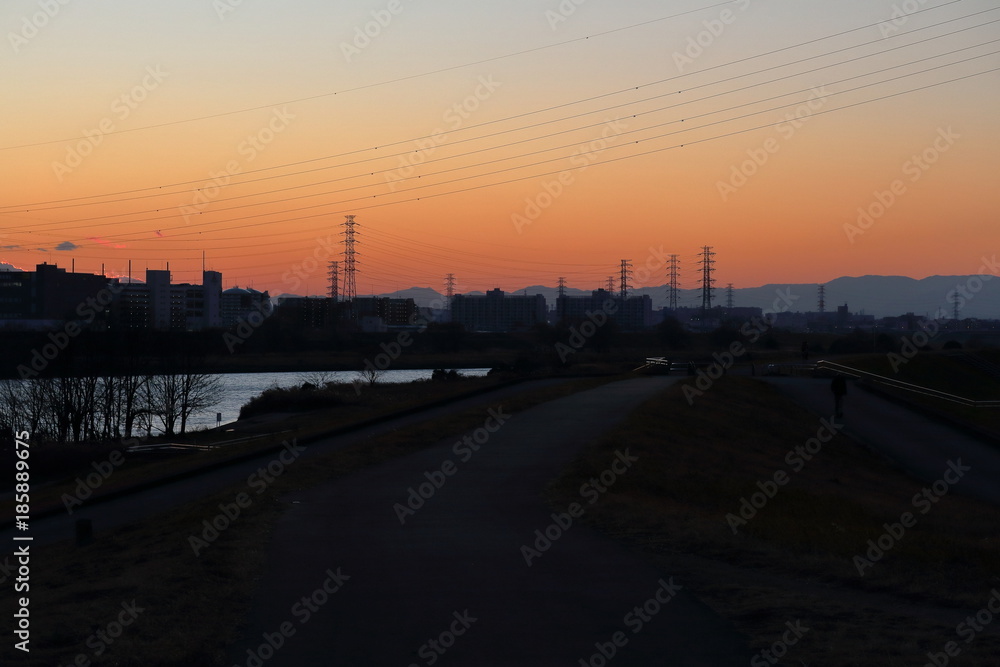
[
  {"x": 345, "y": 563},
  {"x": 471, "y": 551}
]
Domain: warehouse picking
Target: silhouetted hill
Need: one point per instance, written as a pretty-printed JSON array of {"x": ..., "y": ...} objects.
[
  {"x": 884, "y": 295},
  {"x": 874, "y": 295}
]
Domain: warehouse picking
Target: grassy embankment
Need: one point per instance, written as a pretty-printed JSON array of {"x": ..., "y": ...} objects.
[
  {"x": 278, "y": 414},
  {"x": 794, "y": 560},
  {"x": 194, "y": 605}
]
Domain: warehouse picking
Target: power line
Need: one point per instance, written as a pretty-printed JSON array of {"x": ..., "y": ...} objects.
[
  {"x": 64, "y": 223},
  {"x": 879, "y": 83},
  {"x": 625, "y": 157},
  {"x": 549, "y": 173},
  {"x": 388, "y": 81},
  {"x": 606, "y": 161},
  {"x": 617, "y": 92}
]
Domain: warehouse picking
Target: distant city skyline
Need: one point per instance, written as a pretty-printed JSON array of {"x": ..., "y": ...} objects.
[
  {"x": 51, "y": 297},
  {"x": 521, "y": 143},
  {"x": 884, "y": 296}
]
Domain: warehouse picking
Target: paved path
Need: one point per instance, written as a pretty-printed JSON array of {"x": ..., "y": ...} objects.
[
  {"x": 921, "y": 445},
  {"x": 459, "y": 558},
  {"x": 111, "y": 514}
]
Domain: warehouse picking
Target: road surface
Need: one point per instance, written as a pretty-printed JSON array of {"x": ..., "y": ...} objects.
[
  {"x": 110, "y": 514},
  {"x": 921, "y": 445},
  {"x": 403, "y": 588}
]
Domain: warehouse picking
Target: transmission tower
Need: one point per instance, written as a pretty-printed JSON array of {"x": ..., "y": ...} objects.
[
  {"x": 560, "y": 301},
  {"x": 673, "y": 293},
  {"x": 822, "y": 299},
  {"x": 611, "y": 285},
  {"x": 334, "y": 280},
  {"x": 350, "y": 256},
  {"x": 707, "y": 281},
  {"x": 449, "y": 287},
  {"x": 729, "y": 296},
  {"x": 626, "y": 273}
]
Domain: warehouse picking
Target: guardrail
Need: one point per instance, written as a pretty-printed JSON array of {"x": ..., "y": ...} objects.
[{"x": 905, "y": 386}]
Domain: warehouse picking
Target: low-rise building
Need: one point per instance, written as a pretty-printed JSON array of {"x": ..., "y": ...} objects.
[
  {"x": 632, "y": 314},
  {"x": 497, "y": 312}
]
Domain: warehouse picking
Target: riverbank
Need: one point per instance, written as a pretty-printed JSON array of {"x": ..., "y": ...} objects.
[
  {"x": 59, "y": 468},
  {"x": 152, "y": 561}
]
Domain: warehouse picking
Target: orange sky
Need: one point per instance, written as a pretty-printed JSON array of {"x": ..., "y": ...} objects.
[{"x": 179, "y": 100}]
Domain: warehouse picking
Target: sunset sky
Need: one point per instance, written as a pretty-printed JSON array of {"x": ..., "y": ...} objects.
[{"x": 509, "y": 143}]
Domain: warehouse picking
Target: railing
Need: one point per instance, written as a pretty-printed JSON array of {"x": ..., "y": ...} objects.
[
  {"x": 655, "y": 361},
  {"x": 181, "y": 446},
  {"x": 905, "y": 386}
]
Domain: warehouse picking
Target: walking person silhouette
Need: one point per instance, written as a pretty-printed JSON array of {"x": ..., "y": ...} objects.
[{"x": 839, "y": 389}]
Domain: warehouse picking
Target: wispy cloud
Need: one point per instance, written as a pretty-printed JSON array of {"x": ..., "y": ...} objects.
[{"x": 105, "y": 242}]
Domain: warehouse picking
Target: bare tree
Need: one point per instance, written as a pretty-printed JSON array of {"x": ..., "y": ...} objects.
[
  {"x": 117, "y": 403},
  {"x": 92, "y": 407},
  {"x": 198, "y": 391},
  {"x": 39, "y": 407},
  {"x": 318, "y": 379},
  {"x": 87, "y": 390},
  {"x": 145, "y": 405},
  {"x": 133, "y": 388},
  {"x": 370, "y": 374},
  {"x": 165, "y": 397},
  {"x": 12, "y": 399}
]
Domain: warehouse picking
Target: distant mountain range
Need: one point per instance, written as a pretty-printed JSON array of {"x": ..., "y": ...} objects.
[{"x": 880, "y": 296}]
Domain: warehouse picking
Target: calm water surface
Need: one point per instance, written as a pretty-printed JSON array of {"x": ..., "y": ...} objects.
[{"x": 239, "y": 388}]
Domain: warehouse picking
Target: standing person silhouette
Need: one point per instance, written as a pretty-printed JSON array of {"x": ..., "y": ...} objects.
[{"x": 839, "y": 389}]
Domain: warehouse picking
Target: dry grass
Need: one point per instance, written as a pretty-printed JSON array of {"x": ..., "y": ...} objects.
[
  {"x": 68, "y": 463},
  {"x": 193, "y": 606},
  {"x": 794, "y": 559}
]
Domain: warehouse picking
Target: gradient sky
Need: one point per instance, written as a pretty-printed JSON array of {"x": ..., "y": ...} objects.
[{"x": 314, "y": 124}]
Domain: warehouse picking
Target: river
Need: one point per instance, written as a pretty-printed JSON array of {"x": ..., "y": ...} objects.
[{"x": 239, "y": 388}]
